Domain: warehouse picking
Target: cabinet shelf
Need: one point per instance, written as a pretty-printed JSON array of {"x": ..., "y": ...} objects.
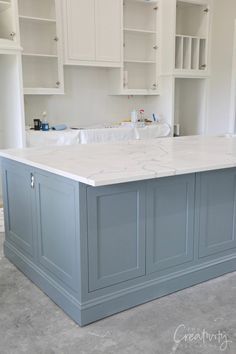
[
  {"x": 131, "y": 92},
  {"x": 139, "y": 61},
  {"x": 40, "y": 55},
  {"x": 187, "y": 36},
  {"x": 4, "y": 5},
  {"x": 147, "y": 2},
  {"x": 36, "y": 19},
  {"x": 42, "y": 91},
  {"x": 137, "y": 30}
]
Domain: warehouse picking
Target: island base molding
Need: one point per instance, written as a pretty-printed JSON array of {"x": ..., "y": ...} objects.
[
  {"x": 122, "y": 300},
  {"x": 96, "y": 251}
]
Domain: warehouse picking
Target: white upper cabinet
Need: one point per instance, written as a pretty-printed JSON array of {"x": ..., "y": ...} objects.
[
  {"x": 80, "y": 29},
  {"x": 41, "y": 39},
  {"x": 92, "y": 32},
  {"x": 192, "y": 36},
  {"x": 108, "y": 30}
]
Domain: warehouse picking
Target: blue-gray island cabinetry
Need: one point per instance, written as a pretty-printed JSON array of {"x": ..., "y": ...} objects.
[{"x": 96, "y": 251}]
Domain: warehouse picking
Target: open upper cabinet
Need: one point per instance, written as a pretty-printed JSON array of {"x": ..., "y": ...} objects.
[
  {"x": 139, "y": 74},
  {"x": 192, "y": 36},
  {"x": 42, "y": 46}
]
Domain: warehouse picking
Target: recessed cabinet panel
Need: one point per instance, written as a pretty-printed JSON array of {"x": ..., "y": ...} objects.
[
  {"x": 57, "y": 229},
  {"x": 19, "y": 212},
  {"x": 170, "y": 223},
  {"x": 81, "y": 29},
  {"x": 217, "y": 212},
  {"x": 108, "y": 30},
  {"x": 116, "y": 234}
]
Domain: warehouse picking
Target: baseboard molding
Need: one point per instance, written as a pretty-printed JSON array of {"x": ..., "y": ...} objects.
[{"x": 101, "y": 307}]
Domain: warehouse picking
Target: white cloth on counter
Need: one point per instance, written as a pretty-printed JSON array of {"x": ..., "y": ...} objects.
[
  {"x": 153, "y": 131},
  {"x": 96, "y": 135},
  {"x": 106, "y": 135},
  {"x": 39, "y": 138}
]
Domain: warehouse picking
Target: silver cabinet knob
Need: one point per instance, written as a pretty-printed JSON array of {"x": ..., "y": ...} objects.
[
  {"x": 12, "y": 35},
  {"x": 58, "y": 83},
  {"x": 155, "y": 47},
  {"x": 56, "y": 39}
]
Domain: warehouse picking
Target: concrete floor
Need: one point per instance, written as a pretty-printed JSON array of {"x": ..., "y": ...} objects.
[{"x": 31, "y": 323}]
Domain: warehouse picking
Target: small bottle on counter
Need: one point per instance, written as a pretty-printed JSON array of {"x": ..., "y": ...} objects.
[
  {"x": 134, "y": 117},
  {"x": 45, "y": 124}
]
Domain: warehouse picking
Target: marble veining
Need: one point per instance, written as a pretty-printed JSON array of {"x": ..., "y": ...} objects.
[{"x": 104, "y": 164}]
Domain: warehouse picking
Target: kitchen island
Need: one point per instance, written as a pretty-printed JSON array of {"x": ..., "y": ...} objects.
[{"x": 102, "y": 228}]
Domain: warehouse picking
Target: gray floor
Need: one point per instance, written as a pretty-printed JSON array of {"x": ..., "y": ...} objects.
[{"x": 31, "y": 323}]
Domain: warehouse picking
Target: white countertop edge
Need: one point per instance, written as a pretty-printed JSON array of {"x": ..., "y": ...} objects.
[{"x": 104, "y": 182}]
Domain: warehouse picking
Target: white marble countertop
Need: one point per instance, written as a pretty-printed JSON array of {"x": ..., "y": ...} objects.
[{"x": 104, "y": 164}]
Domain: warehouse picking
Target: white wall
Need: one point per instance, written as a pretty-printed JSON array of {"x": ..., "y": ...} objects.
[
  {"x": 190, "y": 105},
  {"x": 221, "y": 63},
  {"x": 87, "y": 100}
]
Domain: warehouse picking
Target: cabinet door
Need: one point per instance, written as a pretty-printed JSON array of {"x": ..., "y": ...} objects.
[
  {"x": 170, "y": 222},
  {"x": 18, "y": 204},
  {"x": 80, "y": 29},
  {"x": 116, "y": 234},
  {"x": 217, "y": 212},
  {"x": 57, "y": 215},
  {"x": 108, "y": 30}
]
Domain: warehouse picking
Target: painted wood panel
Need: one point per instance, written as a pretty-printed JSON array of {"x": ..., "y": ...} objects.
[
  {"x": 108, "y": 30},
  {"x": 116, "y": 234},
  {"x": 217, "y": 212},
  {"x": 170, "y": 222},
  {"x": 56, "y": 227},
  {"x": 81, "y": 29},
  {"x": 18, "y": 207}
]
